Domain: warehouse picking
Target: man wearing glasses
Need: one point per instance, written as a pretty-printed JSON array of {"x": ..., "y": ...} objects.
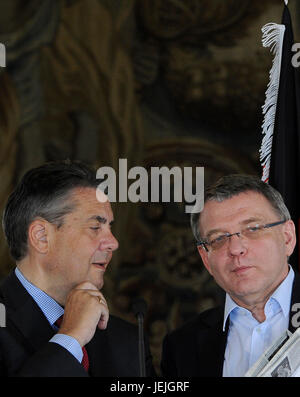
[{"x": 245, "y": 236}]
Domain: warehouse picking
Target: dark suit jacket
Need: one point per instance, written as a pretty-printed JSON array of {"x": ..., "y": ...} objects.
[
  {"x": 197, "y": 349},
  {"x": 25, "y": 349}
]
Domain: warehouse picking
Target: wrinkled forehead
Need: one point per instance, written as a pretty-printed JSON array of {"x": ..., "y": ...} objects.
[{"x": 235, "y": 210}]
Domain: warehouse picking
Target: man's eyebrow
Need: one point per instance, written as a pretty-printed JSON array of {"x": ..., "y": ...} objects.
[
  {"x": 213, "y": 231},
  {"x": 252, "y": 219},
  {"x": 245, "y": 222},
  {"x": 100, "y": 219}
]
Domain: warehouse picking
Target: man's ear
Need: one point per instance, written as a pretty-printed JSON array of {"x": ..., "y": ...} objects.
[
  {"x": 38, "y": 235},
  {"x": 290, "y": 236},
  {"x": 204, "y": 256}
]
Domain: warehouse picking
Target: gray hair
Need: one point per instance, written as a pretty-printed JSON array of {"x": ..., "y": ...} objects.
[
  {"x": 232, "y": 185},
  {"x": 43, "y": 192}
]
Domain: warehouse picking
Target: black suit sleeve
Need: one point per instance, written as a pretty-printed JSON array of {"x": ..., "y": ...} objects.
[{"x": 51, "y": 359}]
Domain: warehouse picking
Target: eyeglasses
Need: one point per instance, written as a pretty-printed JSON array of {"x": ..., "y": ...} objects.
[{"x": 250, "y": 232}]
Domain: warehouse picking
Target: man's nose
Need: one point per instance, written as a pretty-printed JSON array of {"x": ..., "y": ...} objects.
[
  {"x": 109, "y": 242},
  {"x": 236, "y": 245}
]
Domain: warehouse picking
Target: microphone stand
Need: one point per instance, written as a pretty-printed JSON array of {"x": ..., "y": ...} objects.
[
  {"x": 139, "y": 307},
  {"x": 140, "y": 318}
]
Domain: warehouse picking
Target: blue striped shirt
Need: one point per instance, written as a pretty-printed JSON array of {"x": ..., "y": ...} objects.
[{"x": 52, "y": 311}]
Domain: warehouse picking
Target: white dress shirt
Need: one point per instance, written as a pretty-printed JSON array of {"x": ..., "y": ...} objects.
[{"x": 248, "y": 338}]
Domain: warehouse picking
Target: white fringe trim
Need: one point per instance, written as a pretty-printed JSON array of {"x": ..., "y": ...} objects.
[{"x": 273, "y": 34}]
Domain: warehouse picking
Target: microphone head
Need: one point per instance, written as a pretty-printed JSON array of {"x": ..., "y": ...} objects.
[{"x": 139, "y": 307}]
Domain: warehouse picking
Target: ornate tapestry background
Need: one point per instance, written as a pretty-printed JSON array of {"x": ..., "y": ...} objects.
[{"x": 158, "y": 82}]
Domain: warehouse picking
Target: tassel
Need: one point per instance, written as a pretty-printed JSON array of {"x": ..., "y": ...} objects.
[{"x": 272, "y": 37}]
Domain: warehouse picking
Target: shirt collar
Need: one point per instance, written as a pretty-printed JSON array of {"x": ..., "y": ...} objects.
[
  {"x": 284, "y": 292},
  {"x": 51, "y": 309},
  {"x": 282, "y": 295},
  {"x": 230, "y": 305}
]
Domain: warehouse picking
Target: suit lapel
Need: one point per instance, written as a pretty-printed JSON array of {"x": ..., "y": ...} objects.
[
  {"x": 211, "y": 345},
  {"x": 23, "y": 315}
]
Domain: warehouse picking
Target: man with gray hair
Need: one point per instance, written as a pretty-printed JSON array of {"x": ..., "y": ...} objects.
[
  {"x": 57, "y": 318},
  {"x": 244, "y": 236}
]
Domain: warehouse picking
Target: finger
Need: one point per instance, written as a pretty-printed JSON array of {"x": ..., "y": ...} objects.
[
  {"x": 99, "y": 296},
  {"x": 102, "y": 324},
  {"x": 102, "y": 300}
]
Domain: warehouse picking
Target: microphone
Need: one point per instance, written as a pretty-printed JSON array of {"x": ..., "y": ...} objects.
[{"x": 139, "y": 308}]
